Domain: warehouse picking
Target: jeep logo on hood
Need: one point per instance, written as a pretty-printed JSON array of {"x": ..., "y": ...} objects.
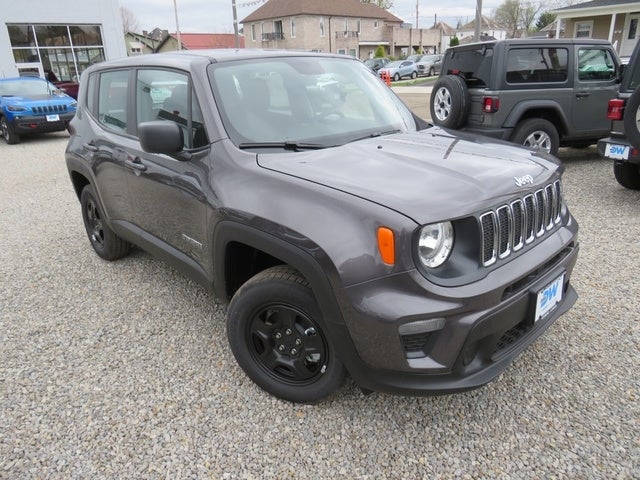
[{"x": 524, "y": 180}]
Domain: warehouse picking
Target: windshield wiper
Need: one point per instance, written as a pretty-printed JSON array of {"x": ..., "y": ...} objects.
[
  {"x": 375, "y": 134},
  {"x": 294, "y": 146}
]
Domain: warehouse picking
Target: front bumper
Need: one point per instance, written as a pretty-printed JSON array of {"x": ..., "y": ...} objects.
[
  {"x": 469, "y": 337},
  {"x": 41, "y": 123}
]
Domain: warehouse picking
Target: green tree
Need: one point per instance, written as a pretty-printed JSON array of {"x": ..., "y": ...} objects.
[
  {"x": 454, "y": 41},
  {"x": 545, "y": 18},
  {"x": 380, "y": 52},
  {"x": 386, "y": 4}
]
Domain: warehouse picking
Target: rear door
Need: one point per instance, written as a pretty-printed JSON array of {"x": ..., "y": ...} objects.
[
  {"x": 596, "y": 82},
  {"x": 105, "y": 146}
]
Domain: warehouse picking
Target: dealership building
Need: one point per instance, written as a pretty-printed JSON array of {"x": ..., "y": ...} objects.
[{"x": 58, "y": 40}]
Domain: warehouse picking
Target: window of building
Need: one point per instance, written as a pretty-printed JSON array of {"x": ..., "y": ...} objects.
[
  {"x": 346, "y": 27},
  {"x": 353, "y": 52},
  {"x": 65, "y": 50},
  {"x": 322, "y": 26},
  {"x": 358, "y": 25},
  {"x": 633, "y": 29},
  {"x": 342, "y": 51},
  {"x": 583, "y": 29},
  {"x": 253, "y": 32},
  {"x": 375, "y": 24},
  {"x": 293, "y": 27}
]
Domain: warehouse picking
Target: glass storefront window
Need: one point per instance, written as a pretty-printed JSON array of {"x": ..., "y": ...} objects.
[
  {"x": 25, "y": 55},
  {"x": 65, "y": 50},
  {"x": 52, "y": 35},
  {"x": 21, "y": 36},
  {"x": 85, "y": 35}
]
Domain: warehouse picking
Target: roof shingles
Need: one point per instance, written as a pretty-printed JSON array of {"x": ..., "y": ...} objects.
[{"x": 344, "y": 8}]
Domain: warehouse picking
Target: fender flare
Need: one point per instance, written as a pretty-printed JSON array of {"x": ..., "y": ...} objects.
[
  {"x": 521, "y": 108},
  {"x": 228, "y": 231}
]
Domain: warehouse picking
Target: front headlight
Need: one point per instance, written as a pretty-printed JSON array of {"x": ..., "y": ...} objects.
[
  {"x": 435, "y": 243},
  {"x": 16, "y": 108}
]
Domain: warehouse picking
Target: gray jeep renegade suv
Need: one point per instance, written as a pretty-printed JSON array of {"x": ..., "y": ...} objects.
[
  {"x": 347, "y": 235},
  {"x": 535, "y": 92}
]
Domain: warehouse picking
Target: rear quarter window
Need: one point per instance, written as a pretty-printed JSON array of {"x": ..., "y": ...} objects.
[{"x": 537, "y": 65}]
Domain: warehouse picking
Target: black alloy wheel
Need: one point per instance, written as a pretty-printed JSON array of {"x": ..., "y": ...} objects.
[{"x": 275, "y": 331}]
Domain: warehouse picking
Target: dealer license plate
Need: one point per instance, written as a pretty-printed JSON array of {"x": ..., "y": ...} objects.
[
  {"x": 548, "y": 298},
  {"x": 53, "y": 118},
  {"x": 619, "y": 152}
]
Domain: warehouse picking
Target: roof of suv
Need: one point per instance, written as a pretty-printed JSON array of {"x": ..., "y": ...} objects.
[
  {"x": 531, "y": 41},
  {"x": 186, "y": 58}
]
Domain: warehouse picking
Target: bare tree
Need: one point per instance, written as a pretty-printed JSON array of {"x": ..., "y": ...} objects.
[
  {"x": 386, "y": 4},
  {"x": 129, "y": 20},
  {"x": 508, "y": 15},
  {"x": 516, "y": 15}
]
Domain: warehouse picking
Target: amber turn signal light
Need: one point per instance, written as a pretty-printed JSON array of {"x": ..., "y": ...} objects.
[{"x": 386, "y": 245}]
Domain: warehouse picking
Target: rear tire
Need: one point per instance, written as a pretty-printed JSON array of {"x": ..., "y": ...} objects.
[
  {"x": 632, "y": 118},
  {"x": 627, "y": 174},
  {"x": 538, "y": 134},
  {"x": 104, "y": 241},
  {"x": 449, "y": 103},
  {"x": 8, "y": 134},
  {"x": 396, "y": 77},
  {"x": 275, "y": 331},
  {"x": 414, "y": 75}
]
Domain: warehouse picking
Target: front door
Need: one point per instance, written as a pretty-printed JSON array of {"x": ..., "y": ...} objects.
[
  {"x": 630, "y": 34},
  {"x": 596, "y": 82},
  {"x": 168, "y": 194}
]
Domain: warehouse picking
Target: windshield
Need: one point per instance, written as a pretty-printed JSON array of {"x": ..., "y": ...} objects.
[
  {"x": 21, "y": 87},
  {"x": 324, "y": 101}
]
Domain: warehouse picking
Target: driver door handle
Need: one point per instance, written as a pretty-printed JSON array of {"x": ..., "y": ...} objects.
[{"x": 135, "y": 164}]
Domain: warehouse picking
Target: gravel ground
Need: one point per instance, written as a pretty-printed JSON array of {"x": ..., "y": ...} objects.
[{"x": 121, "y": 370}]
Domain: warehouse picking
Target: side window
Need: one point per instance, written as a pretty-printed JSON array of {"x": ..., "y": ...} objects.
[
  {"x": 168, "y": 95},
  {"x": 537, "y": 65},
  {"x": 595, "y": 64},
  {"x": 112, "y": 100}
]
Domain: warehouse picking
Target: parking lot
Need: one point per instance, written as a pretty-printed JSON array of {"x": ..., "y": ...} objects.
[{"x": 122, "y": 370}]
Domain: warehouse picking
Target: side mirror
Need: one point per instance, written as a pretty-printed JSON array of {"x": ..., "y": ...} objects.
[{"x": 161, "y": 137}]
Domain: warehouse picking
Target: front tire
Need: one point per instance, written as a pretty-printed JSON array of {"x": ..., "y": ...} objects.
[
  {"x": 275, "y": 331},
  {"x": 627, "y": 174},
  {"x": 8, "y": 134},
  {"x": 103, "y": 240},
  {"x": 537, "y": 134},
  {"x": 449, "y": 102},
  {"x": 396, "y": 77}
]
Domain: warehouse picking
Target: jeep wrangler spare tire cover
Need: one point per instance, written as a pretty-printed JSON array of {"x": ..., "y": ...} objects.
[
  {"x": 449, "y": 102},
  {"x": 632, "y": 118}
]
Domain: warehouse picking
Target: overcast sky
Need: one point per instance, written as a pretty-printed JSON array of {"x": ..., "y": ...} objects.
[{"x": 215, "y": 16}]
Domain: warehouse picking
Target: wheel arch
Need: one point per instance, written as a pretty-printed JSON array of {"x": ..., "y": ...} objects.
[
  {"x": 241, "y": 251},
  {"x": 548, "y": 110}
]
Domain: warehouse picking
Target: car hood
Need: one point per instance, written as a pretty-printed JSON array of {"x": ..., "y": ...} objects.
[
  {"x": 428, "y": 176},
  {"x": 27, "y": 100}
]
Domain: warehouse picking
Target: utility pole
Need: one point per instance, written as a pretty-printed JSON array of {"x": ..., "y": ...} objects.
[
  {"x": 175, "y": 9},
  {"x": 478, "y": 29},
  {"x": 235, "y": 22}
]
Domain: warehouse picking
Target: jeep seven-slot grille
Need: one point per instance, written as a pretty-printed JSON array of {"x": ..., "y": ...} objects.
[
  {"x": 507, "y": 228},
  {"x": 46, "y": 109}
]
